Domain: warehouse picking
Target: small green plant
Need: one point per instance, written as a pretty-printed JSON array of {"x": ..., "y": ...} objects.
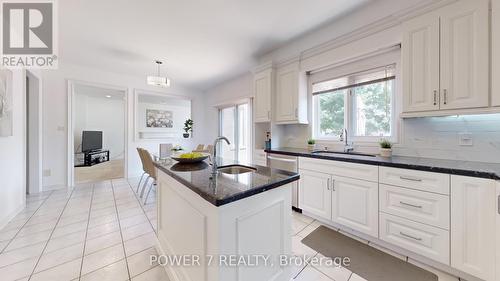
[
  {"x": 188, "y": 126},
  {"x": 311, "y": 142},
  {"x": 385, "y": 144}
]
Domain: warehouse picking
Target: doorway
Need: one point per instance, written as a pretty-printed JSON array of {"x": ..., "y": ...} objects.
[
  {"x": 97, "y": 133},
  {"x": 33, "y": 133},
  {"x": 234, "y": 123}
]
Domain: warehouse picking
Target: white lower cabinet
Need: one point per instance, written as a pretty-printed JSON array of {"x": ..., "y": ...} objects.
[
  {"x": 425, "y": 240},
  {"x": 315, "y": 195},
  {"x": 355, "y": 204},
  {"x": 473, "y": 218}
]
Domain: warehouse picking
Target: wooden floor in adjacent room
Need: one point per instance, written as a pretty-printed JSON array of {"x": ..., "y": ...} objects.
[{"x": 113, "y": 169}]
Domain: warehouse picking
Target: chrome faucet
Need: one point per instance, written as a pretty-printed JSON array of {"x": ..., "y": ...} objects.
[
  {"x": 347, "y": 147},
  {"x": 214, "y": 156}
]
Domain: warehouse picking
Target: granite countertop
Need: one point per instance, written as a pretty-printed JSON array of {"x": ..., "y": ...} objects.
[
  {"x": 455, "y": 167},
  {"x": 225, "y": 188}
]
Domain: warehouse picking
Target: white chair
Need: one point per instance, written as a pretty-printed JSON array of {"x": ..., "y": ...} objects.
[{"x": 165, "y": 150}]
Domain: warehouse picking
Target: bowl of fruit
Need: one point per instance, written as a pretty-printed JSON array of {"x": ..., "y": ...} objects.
[{"x": 191, "y": 157}]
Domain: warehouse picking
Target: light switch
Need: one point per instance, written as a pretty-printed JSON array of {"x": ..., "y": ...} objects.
[
  {"x": 47, "y": 173},
  {"x": 465, "y": 139},
  {"x": 60, "y": 128}
]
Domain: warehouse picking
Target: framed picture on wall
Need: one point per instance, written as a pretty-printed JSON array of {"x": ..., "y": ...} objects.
[
  {"x": 160, "y": 115},
  {"x": 156, "y": 118},
  {"x": 5, "y": 103}
]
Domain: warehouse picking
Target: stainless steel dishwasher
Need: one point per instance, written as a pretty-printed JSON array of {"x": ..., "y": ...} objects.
[{"x": 287, "y": 163}]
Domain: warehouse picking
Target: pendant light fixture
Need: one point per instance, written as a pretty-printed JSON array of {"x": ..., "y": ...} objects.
[{"x": 158, "y": 80}]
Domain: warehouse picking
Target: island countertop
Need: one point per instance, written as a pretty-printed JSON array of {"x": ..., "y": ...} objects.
[
  {"x": 454, "y": 167},
  {"x": 225, "y": 188}
]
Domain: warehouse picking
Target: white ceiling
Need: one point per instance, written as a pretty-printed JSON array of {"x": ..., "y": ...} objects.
[{"x": 203, "y": 42}]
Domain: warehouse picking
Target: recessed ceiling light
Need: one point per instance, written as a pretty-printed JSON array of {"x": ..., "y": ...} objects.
[
  {"x": 158, "y": 80},
  {"x": 108, "y": 96}
]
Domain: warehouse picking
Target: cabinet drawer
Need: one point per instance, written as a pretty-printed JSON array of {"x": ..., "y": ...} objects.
[
  {"x": 426, "y": 181},
  {"x": 419, "y": 206},
  {"x": 345, "y": 169},
  {"x": 425, "y": 240}
]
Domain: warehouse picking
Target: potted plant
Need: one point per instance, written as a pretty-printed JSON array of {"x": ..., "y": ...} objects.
[
  {"x": 188, "y": 128},
  {"x": 385, "y": 148},
  {"x": 311, "y": 144}
]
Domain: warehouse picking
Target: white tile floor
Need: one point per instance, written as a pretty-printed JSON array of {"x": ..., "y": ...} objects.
[
  {"x": 92, "y": 232},
  {"x": 102, "y": 232}
]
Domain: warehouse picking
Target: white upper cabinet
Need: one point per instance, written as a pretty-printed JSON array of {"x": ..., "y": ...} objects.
[
  {"x": 355, "y": 204},
  {"x": 291, "y": 95},
  {"x": 465, "y": 55},
  {"x": 420, "y": 61},
  {"x": 473, "y": 218},
  {"x": 445, "y": 57},
  {"x": 495, "y": 21},
  {"x": 263, "y": 88}
]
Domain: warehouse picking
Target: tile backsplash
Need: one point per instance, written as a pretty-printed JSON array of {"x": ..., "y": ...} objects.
[
  {"x": 472, "y": 138},
  {"x": 431, "y": 137}
]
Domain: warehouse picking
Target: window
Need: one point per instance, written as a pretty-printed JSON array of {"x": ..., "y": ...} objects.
[{"x": 362, "y": 103}]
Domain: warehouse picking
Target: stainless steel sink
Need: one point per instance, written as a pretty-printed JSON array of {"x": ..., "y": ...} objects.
[
  {"x": 236, "y": 169},
  {"x": 343, "y": 153}
]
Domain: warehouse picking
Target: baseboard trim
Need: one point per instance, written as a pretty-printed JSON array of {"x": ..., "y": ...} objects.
[{"x": 7, "y": 219}]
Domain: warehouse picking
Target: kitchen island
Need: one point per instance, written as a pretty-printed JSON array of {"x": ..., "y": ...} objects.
[{"x": 234, "y": 226}]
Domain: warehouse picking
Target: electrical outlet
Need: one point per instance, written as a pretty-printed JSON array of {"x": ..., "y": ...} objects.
[
  {"x": 465, "y": 139},
  {"x": 47, "y": 173}
]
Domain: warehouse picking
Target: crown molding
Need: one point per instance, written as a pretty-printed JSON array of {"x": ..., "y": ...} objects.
[{"x": 369, "y": 29}]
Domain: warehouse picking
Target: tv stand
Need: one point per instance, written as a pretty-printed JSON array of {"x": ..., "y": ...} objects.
[{"x": 95, "y": 157}]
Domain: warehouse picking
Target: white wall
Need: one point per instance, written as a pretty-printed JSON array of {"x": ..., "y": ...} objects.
[
  {"x": 13, "y": 155},
  {"x": 101, "y": 114},
  {"x": 229, "y": 92},
  {"x": 55, "y": 117}
]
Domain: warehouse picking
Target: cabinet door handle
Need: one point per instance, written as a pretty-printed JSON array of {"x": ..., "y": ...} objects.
[
  {"x": 498, "y": 204},
  {"x": 296, "y": 112},
  {"x": 333, "y": 185},
  {"x": 269, "y": 114},
  {"x": 410, "y": 205},
  {"x": 435, "y": 97},
  {"x": 445, "y": 96},
  {"x": 409, "y": 236},
  {"x": 409, "y": 179},
  {"x": 328, "y": 184}
]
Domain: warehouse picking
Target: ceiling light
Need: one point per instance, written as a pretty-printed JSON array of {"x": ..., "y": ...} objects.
[
  {"x": 158, "y": 80},
  {"x": 108, "y": 96}
]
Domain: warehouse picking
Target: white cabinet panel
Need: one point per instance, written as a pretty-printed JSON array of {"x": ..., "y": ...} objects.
[
  {"x": 355, "y": 204},
  {"x": 346, "y": 169},
  {"x": 473, "y": 218},
  {"x": 425, "y": 181},
  {"x": 262, "y": 94},
  {"x": 425, "y": 240},
  {"x": 315, "y": 194},
  {"x": 465, "y": 55},
  {"x": 291, "y": 95},
  {"x": 424, "y": 207},
  {"x": 420, "y": 60}
]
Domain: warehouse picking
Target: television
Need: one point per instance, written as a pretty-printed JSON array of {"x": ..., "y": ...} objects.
[{"x": 91, "y": 141}]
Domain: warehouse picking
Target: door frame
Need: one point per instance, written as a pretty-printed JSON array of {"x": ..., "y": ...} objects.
[
  {"x": 71, "y": 124},
  {"x": 235, "y": 104},
  {"x": 38, "y": 174}
]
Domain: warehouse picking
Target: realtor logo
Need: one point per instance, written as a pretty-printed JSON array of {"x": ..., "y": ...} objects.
[{"x": 28, "y": 34}]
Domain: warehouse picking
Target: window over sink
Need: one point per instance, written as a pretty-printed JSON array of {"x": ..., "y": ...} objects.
[{"x": 362, "y": 102}]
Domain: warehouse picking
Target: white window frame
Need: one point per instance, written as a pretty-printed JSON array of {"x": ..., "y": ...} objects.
[
  {"x": 390, "y": 58},
  {"x": 236, "y": 104}
]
